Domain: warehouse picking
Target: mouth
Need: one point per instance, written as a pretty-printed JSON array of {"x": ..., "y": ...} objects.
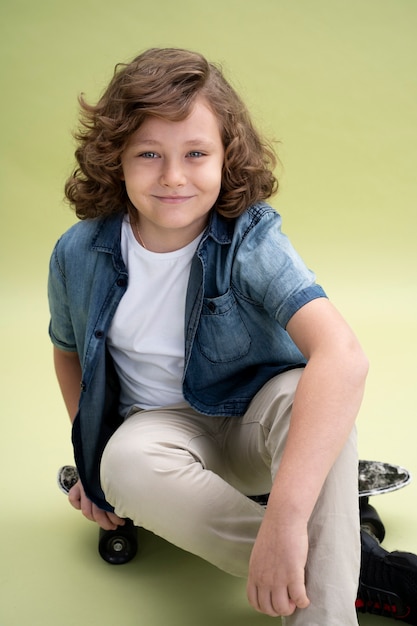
[{"x": 173, "y": 199}]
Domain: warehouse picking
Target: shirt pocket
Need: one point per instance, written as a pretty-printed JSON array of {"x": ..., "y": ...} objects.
[{"x": 222, "y": 335}]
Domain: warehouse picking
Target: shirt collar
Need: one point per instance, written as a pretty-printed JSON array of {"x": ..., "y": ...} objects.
[
  {"x": 107, "y": 235},
  {"x": 219, "y": 228}
]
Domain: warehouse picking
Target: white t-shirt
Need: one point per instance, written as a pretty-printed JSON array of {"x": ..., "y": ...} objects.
[{"x": 146, "y": 337}]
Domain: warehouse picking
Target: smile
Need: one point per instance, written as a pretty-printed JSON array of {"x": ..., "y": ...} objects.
[{"x": 173, "y": 199}]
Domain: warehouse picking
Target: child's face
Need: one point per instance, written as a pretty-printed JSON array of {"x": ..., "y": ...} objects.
[{"x": 172, "y": 172}]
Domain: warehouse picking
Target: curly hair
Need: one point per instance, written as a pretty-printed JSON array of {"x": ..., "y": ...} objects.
[{"x": 164, "y": 83}]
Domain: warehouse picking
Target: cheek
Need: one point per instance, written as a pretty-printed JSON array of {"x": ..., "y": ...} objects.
[
  {"x": 219, "y": 182},
  {"x": 212, "y": 180},
  {"x": 136, "y": 180}
]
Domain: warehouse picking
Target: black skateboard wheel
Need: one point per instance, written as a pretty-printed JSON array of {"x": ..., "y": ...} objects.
[
  {"x": 119, "y": 546},
  {"x": 370, "y": 519}
]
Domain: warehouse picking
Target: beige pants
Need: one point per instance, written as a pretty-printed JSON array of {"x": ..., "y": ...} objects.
[{"x": 185, "y": 477}]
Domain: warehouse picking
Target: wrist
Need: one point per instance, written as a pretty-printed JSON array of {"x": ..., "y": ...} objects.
[{"x": 288, "y": 509}]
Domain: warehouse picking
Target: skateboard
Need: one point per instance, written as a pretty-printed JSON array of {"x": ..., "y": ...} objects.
[
  {"x": 375, "y": 477},
  {"x": 115, "y": 546}
]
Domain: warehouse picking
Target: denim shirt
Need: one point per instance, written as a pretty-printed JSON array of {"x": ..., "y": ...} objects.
[{"x": 246, "y": 282}]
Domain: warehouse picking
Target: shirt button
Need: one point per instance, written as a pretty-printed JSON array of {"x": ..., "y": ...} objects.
[{"x": 99, "y": 334}]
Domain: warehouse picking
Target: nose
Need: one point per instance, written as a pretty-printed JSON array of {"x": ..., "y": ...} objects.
[{"x": 172, "y": 173}]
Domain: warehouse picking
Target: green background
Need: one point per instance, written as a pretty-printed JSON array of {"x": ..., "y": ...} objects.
[{"x": 335, "y": 83}]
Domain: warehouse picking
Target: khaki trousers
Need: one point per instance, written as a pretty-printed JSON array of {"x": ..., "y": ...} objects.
[{"x": 185, "y": 477}]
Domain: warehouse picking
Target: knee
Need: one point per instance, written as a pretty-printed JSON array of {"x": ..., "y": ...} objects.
[
  {"x": 124, "y": 469},
  {"x": 135, "y": 469}
]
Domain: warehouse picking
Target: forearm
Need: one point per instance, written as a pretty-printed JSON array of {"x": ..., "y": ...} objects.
[
  {"x": 325, "y": 407},
  {"x": 324, "y": 411},
  {"x": 68, "y": 372}
]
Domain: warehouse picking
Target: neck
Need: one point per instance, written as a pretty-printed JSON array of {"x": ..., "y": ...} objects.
[{"x": 161, "y": 242}]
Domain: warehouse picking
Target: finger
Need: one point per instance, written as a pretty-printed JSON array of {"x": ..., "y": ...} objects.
[
  {"x": 281, "y": 603},
  {"x": 261, "y": 601},
  {"x": 265, "y": 603},
  {"x": 78, "y": 499},
  {"x": 252, "y": 595},
  {"x": 274, "y": 604},
  {"x": 103, "y": 518},
  {"x": 112, "y": 519},
  {"x": 298, "y": 595},
  {"x": 87, "y": 508},
  {"x": 119, "y": 521},
  {"x": 286, "y": 603},
  {"x": 74, "y": 496}
]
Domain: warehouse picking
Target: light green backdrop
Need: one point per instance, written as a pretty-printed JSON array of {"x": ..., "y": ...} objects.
[{"x": 335, "y": 83}]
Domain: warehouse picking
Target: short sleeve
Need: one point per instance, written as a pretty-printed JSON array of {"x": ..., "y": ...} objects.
[
  {"x": 271, "y": 273},
  {"x": 61, "y": 330}
]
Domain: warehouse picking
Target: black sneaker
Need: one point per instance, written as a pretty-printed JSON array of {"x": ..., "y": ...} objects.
[
  {"x": 388, "y": 582},
  {"x": 67, "y": 477}
]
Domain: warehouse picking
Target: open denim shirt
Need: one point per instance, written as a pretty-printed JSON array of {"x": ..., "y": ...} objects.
[{"x": 246, "y": 282}]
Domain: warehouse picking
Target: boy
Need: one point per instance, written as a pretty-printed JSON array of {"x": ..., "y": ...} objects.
[{"x": 212, "y": 365}]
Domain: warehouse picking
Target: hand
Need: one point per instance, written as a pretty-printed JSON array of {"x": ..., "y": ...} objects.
[
  {"x": 105, "y": 519},
  {"x": 276, "y": 581}
]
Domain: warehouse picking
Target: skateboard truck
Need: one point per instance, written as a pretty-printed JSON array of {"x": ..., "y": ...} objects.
[{"x": 375, "y": 477}]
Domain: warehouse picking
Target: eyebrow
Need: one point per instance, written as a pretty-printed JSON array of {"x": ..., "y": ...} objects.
[{"x": 201, "y": 141}]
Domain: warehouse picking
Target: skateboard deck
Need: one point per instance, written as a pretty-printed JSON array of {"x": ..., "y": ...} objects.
[
  {"x": 377, "y": 477},
  {"x": 374, "y": 477},
  {"x": 67, "y": 477}
]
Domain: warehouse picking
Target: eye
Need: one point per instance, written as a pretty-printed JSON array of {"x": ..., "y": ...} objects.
[
  {"x": 148, "y": 155},
  {"x": 195, "y": 154}
]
